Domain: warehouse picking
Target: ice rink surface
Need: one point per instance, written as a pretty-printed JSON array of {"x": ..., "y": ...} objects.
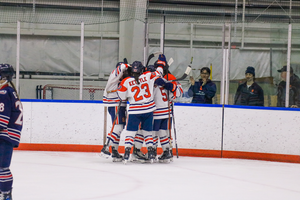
[{"x": 82, "y": 176}]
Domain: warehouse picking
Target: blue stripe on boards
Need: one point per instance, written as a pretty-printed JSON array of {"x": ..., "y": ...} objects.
[
  {"x": 197, "y": 105},
  {"x": 236, "y": 106},
  {"x": 262, "y": 108},
  {"x": 176, "y": 104},
  {"x": 59, "y": 101}
]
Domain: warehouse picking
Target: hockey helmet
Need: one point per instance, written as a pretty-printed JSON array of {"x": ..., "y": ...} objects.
[
  {"x": 150, "y": 68},
  {"x": 137, "y": 67},
  {"x": 6, "y": 72}
]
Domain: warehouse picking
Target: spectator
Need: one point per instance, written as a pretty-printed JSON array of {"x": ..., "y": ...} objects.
[
  {"x": 204, "y": 90},
  {"x": 249, "y": 93},
  {"x": 294, "y": 99}
]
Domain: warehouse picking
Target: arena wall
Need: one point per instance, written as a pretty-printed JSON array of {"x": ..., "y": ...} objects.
[{"x": 201, "y": 130}]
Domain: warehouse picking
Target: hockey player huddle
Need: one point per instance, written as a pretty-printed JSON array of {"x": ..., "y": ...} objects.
[{"x": 149, "y": 91}]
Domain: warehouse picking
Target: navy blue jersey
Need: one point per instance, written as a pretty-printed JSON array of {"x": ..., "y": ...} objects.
[{"x": 11, "y": 115}]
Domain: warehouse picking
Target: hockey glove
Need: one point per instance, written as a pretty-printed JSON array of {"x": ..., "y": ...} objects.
[
  {"x": 162, "y": 57},
  {"x": 168, "y": 86}
]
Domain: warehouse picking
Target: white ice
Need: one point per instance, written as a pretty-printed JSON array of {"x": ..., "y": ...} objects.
[{"x": 86, "y": 176}]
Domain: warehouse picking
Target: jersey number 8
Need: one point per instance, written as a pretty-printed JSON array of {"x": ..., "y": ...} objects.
[{"x": 1, "y": 107}]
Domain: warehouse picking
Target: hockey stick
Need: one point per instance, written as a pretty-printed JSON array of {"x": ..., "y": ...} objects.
[
  {"x": 186, "y": 73},
  {"x": 169, "y": 121},
  {"x": 170, "y": 61},
  {"x": 104, "y": 125},
  {"x": 171, "y": 145},
  {"x": 114, "y": 122},
  {"x": 152, "y": 55},
  {"x": 111, "y": 91},
  {"x": 175, "y": 135}
]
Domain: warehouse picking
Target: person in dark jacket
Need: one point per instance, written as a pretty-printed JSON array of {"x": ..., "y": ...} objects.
[
  {"x": 249, "y": 93},
  {"x": 204, "y": 90},
  {"x": 294, "y": 93}
]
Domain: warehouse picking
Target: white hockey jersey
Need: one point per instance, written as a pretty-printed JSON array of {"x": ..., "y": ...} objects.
[
  {"x": 110, "y": 96},
  {"x": 140, "y": 96},
  {"x": 161, "y": 99}
]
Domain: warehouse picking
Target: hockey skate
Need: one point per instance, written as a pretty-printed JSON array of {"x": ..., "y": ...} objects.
[
  {"x": 137, "y": 155},
  {"x": 6, "y": 195},
  {"x": 115, "y": 155},
  {"x": 105, "y": 152},
  {"x": 126, "y": 155},
  {"x": 165, "y": 157},
  {"x": 151, "y": 154},
  {"x": 155, "y": 155}
]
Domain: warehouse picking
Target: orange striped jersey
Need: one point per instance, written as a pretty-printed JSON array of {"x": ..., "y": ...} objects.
[
  {"x": 140, "y": 96},
  {"x": 161, "y": 99},
  {"x": 110, "y": 97}
]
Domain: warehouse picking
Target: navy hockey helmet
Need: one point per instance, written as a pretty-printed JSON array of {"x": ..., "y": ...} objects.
[
  {"x": 150, "y": 68},
  {"x": 6, "y": 72},
  {"x": 137, "y": 67}
]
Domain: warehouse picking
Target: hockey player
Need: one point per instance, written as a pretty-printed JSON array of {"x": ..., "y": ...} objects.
[
  {"x": 163, "y": 113},
  {"x": 11, "y": 122},
  {"x": 111, "y": 100},
  {"x": 138, "y": 89},
  {"x": 137, "y": 154}
]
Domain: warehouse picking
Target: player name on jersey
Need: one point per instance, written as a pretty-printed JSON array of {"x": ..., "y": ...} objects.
[{"x": 142, "y": 80}]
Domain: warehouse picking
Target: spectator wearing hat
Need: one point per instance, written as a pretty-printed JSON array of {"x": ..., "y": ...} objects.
[
  {"x": 294, "y": 96},
  {"x": 249, "y": 93},
  {"x": 204, "y": 90}
]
